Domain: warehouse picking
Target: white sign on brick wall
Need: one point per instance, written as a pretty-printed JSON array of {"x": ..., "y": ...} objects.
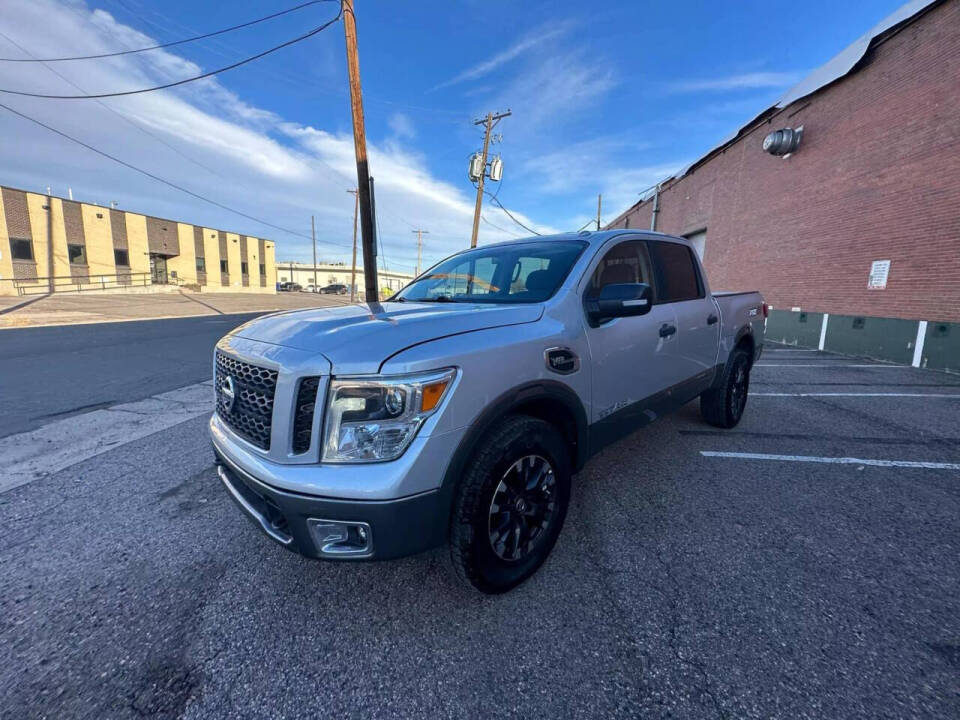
[{"x": 879, "y": 270}]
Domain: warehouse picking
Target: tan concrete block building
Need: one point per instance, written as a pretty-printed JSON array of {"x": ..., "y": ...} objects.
[{"x": 53, "y": 244}]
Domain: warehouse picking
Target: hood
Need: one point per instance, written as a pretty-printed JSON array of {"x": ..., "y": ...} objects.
[{"x": 358, "y": 338}]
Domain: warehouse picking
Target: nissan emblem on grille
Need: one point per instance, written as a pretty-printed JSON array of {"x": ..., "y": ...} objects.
[{"x": 228, "y": 393}]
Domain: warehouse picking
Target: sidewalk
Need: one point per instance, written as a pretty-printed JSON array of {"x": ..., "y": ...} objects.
[{"x": 76, "y": 309}]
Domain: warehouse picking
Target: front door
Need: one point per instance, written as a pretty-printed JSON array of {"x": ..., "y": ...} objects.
[
  {"x": 631, "y": 357},
  {"x": 158, "y": 269}
]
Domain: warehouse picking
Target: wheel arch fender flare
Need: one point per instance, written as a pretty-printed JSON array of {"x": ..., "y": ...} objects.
[
  {"x": 745, "y": 332},
  {"x": 517, "y": 398}
]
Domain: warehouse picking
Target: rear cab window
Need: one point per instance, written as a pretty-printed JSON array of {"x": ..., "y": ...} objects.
[{"x": 677, "y": 276}]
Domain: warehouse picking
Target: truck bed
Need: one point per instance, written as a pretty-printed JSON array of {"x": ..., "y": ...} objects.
[{"x": 739, "y": 310}]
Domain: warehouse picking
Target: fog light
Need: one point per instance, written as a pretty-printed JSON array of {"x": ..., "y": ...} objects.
[{"x": 338, "y": 538}]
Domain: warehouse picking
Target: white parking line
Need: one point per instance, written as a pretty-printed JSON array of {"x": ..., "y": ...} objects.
[
  {"x": 846, "y": 394},
  {"x": 824, "y": 365},
  {"x": 834, "y": 460},
  {"x": 32, "y": 455}
]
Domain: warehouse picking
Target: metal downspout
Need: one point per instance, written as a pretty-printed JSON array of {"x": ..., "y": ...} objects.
[{"x": 656, "y": 208}]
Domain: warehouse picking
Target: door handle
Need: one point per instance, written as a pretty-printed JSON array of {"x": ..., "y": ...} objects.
[
  {"x": 712, "y": 318},
  {"x": 666, "y": 330}
]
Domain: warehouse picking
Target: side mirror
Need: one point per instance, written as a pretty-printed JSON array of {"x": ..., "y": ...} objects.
[{"x": 620, "y": 300}]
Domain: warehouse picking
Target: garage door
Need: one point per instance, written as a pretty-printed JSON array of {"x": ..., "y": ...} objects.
[{"x": 699, "y": 240}]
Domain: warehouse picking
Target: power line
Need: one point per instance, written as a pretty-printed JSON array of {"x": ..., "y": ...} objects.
[
  {"x": 187, "y": 80},
  {"x": 504, "y": 230},
  {"x": 120, "y": 115},
  {"x": 160, "y": 179},
  {"x": 169, "y": 44},
  {"x": 510, "y": 214},
  {"x": 455, "y": 116}
]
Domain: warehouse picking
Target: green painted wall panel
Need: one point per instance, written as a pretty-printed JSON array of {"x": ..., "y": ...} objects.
[
  {"x": 941, "y": 347},
  {"x": 794, "y": 328},
  {"x": 881, "y": 338}
]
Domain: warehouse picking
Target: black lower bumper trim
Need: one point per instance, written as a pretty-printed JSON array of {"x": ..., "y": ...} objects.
[{"x": 399, "y": 527}]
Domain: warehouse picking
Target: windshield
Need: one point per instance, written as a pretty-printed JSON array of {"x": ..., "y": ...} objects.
[{"x": 523, "y": 273}]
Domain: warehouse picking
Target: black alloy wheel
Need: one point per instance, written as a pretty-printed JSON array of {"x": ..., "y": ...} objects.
[
  {"x": 523, "y": 506},
  {"x": 510, "y": 503}
]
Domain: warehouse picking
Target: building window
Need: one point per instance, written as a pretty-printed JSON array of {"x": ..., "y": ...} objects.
[
  {"x": 77, "y": 254},
  {"x": 244, "y": 268},
  {"x": 121, "y": 257},
  {"x": 21, "y": 249},
  {"x": 263, "y": 269},
  {"x": 201, "y": 264},
  {"x": 223, "y": 266}
]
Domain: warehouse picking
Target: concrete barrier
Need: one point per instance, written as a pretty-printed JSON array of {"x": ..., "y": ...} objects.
[
  {"x": 941, "y": 347},
  {"x": 928, "y": 344},
  {"x": 794, "y": 328}
]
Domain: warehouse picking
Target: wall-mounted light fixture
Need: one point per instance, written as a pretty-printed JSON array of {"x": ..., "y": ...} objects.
[{"x": 783, "y": 142}]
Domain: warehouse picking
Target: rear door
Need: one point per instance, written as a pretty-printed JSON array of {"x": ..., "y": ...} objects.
[{"x": 680, "y": 286}]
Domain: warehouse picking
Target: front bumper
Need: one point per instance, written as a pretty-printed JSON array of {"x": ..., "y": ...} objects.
[{"x": 393, "y": 528}]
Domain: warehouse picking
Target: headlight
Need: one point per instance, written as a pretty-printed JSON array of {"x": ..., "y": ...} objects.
[{"x": 375, "y": 419}]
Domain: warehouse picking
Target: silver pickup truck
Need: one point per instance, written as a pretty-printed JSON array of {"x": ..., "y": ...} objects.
[{"x": 459, "y": 410}]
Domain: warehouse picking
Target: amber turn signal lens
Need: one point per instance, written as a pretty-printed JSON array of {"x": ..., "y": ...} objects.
[{"x": 432, "y": 394}]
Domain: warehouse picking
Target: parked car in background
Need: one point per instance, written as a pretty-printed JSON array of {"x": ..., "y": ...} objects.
[
  {"x": 458, "y": 410},
  {"x": 290, "y": 287},
  {"x": 335, "y": 289}
]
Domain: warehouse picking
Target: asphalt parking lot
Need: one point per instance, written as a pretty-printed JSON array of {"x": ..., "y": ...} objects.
[{"x": 804, "y": 564}]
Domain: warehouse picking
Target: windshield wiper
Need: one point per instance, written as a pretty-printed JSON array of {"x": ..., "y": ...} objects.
[{"x": 439, "y": 299}]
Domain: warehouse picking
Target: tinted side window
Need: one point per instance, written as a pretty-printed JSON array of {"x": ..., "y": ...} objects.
[
  {"x": 677, "y": 272},
  {"x": 628, "y": 262}
]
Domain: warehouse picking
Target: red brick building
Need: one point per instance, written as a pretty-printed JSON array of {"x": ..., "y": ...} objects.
[{"x": 876, "y": 177}]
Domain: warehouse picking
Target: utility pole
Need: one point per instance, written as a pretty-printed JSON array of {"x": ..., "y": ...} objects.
[
  {"x": 420, "y": 233},
  {"x": 353, "y": 271},
  {"x": 599, "y": 196},
  {"x": 491, "y": 120},
  {"x": 51, "y": 282},
  {"x": 360, "y": 149},
  {"x": 313, "y": 232}
]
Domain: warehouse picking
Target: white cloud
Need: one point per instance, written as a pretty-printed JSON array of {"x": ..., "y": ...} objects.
[
  {"x": 553, "y": 91},
  {"x": 528, "y": 42},
  {"x": 745, "y": 81},
  {"x": 402, "y": 126},
  {"x": 278, "y": 169}
]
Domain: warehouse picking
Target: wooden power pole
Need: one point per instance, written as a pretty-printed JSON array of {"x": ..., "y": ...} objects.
[
  {"x": 420, "y": 233},
  {"x": 353, "y": 270},
  {"x": 360, "y": 149},
  {"x": 491, "y": 120}
]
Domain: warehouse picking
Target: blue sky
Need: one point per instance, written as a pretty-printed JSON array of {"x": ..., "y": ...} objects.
[{"x": 607, "y": 99}]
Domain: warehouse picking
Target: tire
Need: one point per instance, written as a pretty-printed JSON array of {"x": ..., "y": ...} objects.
[
  {"x": 722, "y": 405},
  {"x": 493, "y": 501}
]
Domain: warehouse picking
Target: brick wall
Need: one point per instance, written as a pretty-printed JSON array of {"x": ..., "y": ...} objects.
[{"x": 876, "y": 177}]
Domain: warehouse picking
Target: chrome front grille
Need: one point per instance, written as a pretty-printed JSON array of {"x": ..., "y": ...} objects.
[{"x": 250, "y": 411}]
